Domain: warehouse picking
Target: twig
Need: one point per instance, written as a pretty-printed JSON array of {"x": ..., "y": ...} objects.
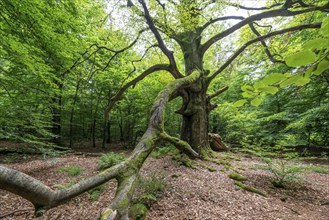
[
  {"x": 13, "y": 212},
  {"x": 296, "y": 212}
]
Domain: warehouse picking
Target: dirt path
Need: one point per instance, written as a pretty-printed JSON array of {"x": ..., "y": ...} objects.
[{"x": 195, "y": 194}]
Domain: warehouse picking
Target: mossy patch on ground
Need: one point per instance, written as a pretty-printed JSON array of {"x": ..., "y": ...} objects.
[
  {"x": 138, "y": 211},
  {"x": 237, "y": 176},
  {"x": 249, "y": 188}
]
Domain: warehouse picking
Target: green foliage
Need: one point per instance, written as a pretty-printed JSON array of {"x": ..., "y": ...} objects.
[
  {"x": 163, "y": 151},
  {"x": 317, "y": 169},
  {"x": 71, "y": 170},
  {"x": 138, "y": 211},
  {"x": 149, "y": 189},
  {"x": 301, "y": 58},
  {"x": 110, "y": 159},
  {"x": 65, "y": 186},
  {"x": 281, "y": 168},
  {"x": 95, "y": 192}
]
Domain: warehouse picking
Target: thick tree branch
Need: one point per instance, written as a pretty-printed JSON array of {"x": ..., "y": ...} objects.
[
  {"x": 253, "y": 8},
  {"x": 268, "y": 14},
  {"x": 258, "y": 39},
  {"x": 145, "y": 146},
  {"x": 170, "y": 54},
  {"x": 218, "y": 92},
  {"x": 267, "y": 51},
  {"x": 180, "y": 145},
  {"x": 212, "y": 21},
  {"x": 133, "y": 82},
  {"x": 41, "y": 196}
]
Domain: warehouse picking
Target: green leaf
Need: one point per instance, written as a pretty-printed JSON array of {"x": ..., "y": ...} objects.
[
  {"x": 289, "y": 81},
  {"x": 239, "y": 103},
  {"x": 319, "y": 43},
  {"x": 256, "y": 101},
  {"x": 325, "y": 27},
  {"x": 270, "y": 89},
  {"x": 301, "y": 58},
  {"x": 302, "y": 81},
  {"x": 248, "y": 94},
  {"x": 309, "y": 72},
  {"x": 258, "y": 84},
  {"x": 273, "y": 78},
  {"x": 247, "y": 88},
  {"x": 322, "y": 66}
]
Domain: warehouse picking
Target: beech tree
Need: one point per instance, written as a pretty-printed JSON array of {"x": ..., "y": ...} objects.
[{"x": 186, "y": 32}]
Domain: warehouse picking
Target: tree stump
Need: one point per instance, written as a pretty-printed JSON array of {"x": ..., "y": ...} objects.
[{"x": 216, "y": 143}]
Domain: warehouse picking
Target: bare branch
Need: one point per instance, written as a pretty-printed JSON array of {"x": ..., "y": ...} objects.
[
  {"x": 170, "y": 54},
  {"x": 207, "y": 3},
  {"x": 211, "y": 107},
  {"x": 133, "y": 82},
  {"x": 117, "y": 52},
  {"x": 218, "y": 92},
  {"x": 256, "y": 17},
  {"x": 212, "y": 21},
  {"x": 253, "y": 8},
  {"x": 267, "y": 51},
  {"x": 255, "y": 40},
  {"x": 163, "y": 6}
]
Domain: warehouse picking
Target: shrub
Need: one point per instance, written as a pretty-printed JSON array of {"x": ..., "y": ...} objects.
[
  {"x": 71, "y": 170},
  {"x": 162, "y": 151},
  {"x": 317, "y": 169},
  {"x": 94, "y": 193},
  {"x": 149, "y": 190},
  {"x": 282, "y": 171},
  {"x": 138, "y": 211},
  {"x": 110, "y": 159}
]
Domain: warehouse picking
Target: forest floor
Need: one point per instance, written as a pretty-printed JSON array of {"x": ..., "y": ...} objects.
[{"x": 203, "y": 193}]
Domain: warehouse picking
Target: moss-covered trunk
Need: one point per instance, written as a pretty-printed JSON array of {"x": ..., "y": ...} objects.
[
  {"x": 195, "y": 120},
  {"x": 194, "y": 111}
]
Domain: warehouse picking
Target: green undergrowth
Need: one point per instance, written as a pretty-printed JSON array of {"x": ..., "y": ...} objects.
[
  {"x": 94, "y": 193},
  {"x": 110, "y": 159},
  {"x": 282, "y": 170},
  {"x": 224, "y": 162},
  {"x": 160, "y": 152},
  {"x": 322, "y": 169},
  {"x": 138, "y": 211},
  {"x": 148, "y": 190},
  {"x": 71, "y": 170},
  {"x": 209, "y": 168},
  {"x": 65, "y": 185},
  {"x": 184, "y": 160}
]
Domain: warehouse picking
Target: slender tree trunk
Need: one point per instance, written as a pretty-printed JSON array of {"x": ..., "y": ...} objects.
[
  {"x": 72, "y": 112},
  {"x": 56, "y": 119},
  {"x": 94, "y": 133},
  {"x": 107, "y": 126}
]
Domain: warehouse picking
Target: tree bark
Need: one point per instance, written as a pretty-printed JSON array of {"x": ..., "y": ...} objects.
[{"x": 195, "y": 122}]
